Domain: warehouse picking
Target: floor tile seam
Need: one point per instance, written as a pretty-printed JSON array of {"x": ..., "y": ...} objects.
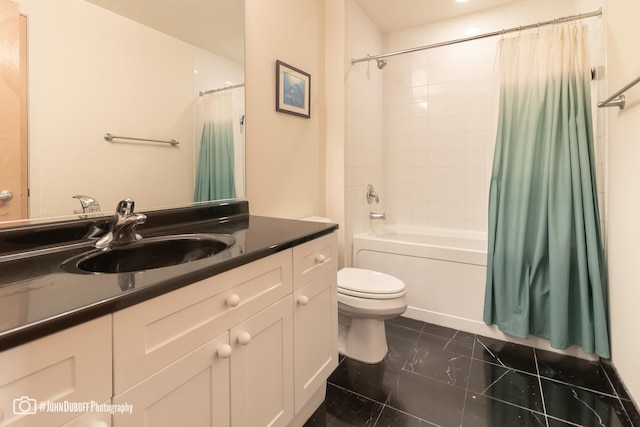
[
  {"x": 466, "y": 391},
  {"x": 379, "y": 414},
  {"x": 449, "y": 341},
  {"x": 464, "y": 402},
  {"x": 542, "y": 398},
  {"x": 511, "y": 404},
  {"x": 615, "y": 389},
  {"x": 620, "y": 399},
  {"x": 408, "y": 328},
  {"x": 582, "y": 388},
  {"x": 358, "y": 394},
  {"x": 434, "y": 379},
  {"x": 412, "y": 352},
  {"x": 390, "y": 406},
  {"x": 522, "y": 371},
  {"x": 438, "y": 336},
  {"x": 564, "y": 421}
]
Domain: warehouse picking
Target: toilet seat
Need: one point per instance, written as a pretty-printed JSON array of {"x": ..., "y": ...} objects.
[{"x": 369, "y": 284}]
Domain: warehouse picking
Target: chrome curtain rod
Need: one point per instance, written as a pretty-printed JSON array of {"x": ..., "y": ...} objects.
[
  {"x": 220, "y": 89},
  {"x": 597, "y": 13},
  {"x": 109, "y": 137}
]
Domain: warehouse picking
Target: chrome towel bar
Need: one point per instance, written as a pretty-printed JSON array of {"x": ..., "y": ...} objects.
[
  {"x": 109, "y": 137},
  {"x": 618, "y": 99}
]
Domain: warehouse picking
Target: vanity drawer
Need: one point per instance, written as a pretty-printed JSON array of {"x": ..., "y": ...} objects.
[
  {"x": 149, "y": 336},
  {"x": 312, "y": 259}
]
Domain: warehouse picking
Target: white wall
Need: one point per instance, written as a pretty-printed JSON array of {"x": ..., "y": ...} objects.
[
  {"x": 93, "y": 72},
  {"x": 623, "y": 234},
  {"x": 364, "y": 146},
  {"x": 285, "y": 153}
]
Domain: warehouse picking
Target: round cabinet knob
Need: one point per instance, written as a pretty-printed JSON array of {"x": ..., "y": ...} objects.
[
  {"x": 320, "y": 259},
  {"x": 224, "y": 351},
  {"x": 5, "y": 195},
  {"x": 303, "y": 300},
  {"x": 244, "y": 338},
  {"x": 233, "y": 300}
]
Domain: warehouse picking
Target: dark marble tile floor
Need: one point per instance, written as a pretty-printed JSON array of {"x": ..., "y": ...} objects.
[{"x": 436, "y": 376}]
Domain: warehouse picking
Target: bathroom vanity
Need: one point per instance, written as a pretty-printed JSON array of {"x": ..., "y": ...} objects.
[{"x": 246, "y": 337}]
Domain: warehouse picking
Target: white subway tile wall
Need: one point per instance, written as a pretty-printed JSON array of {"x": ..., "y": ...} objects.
[{"x": 422, "y": 130}]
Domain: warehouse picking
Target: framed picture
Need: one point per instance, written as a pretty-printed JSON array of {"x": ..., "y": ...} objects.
[{"x": 293, "y": 90}]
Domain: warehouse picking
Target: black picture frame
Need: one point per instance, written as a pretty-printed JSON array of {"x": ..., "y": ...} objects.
[{"x": 293, "y": 90}]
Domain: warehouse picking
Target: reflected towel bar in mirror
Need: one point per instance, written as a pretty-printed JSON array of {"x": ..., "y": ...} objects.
[{"x": 109, "y": 137}]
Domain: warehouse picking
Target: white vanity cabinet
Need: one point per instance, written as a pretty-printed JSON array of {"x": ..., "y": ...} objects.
[
  {"x": 315, "y": 317},
  {"x": 72, "y": 365},
  {"x": 175, "y": 355},
  {"x": 249, "y": 347}
]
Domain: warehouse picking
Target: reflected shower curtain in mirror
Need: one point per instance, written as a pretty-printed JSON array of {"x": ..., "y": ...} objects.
[
  {"x": 545, "y": 264},
  {"x": 215, "y": 173}
]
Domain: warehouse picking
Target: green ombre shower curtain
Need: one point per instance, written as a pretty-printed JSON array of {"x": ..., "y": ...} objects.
[
  {"x": 545, "y": 264},
  {"x": 215, "y": 173}
]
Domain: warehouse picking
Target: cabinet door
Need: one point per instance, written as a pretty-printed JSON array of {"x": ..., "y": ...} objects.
[
  {"x": 315, "y": 320},
  {"x": 194, "y": 391},
  {"x": 262, "y": 368},
  {"x": 72, "y": 365},
  {"x": 92, "y": 419}
]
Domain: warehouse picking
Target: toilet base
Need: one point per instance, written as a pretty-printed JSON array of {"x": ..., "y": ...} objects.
[{"x": 362, "y": 339}]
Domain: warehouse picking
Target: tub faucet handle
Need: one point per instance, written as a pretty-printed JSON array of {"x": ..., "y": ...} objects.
[{"x": 372, "y": 195}]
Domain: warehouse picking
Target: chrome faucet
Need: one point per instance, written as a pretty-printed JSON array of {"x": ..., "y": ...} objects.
[
  {"x": 372, "y": 196},
  {"x": 88, "y": 203},
  {"x": 123, "y": 230}
]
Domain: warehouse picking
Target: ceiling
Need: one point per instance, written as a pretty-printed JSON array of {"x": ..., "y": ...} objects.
[
  {"x": 400, "y": 14},
  {"x": 214, "y": 25}
]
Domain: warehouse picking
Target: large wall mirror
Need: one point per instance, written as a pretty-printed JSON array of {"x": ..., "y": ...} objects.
[{"x": 131, "y": 68}]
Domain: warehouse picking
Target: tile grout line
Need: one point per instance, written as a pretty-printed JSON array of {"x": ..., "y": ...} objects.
[
  {"x": 544, "y": 404},
  {"x": 615, "y": 391},
  {"x": 466, "y": 390}
]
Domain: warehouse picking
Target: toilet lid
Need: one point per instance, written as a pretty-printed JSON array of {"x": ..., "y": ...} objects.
[{"x": 368, "y": 282}]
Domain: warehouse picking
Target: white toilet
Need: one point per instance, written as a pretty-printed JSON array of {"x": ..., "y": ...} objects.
[{"x": 366, "y": 299}]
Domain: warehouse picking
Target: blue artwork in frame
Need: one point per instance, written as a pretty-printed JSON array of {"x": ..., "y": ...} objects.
[{"x": 293, "y": 90}]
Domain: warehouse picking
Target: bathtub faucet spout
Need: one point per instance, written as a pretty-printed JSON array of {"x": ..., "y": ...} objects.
[{"x": 377, "y": 215}]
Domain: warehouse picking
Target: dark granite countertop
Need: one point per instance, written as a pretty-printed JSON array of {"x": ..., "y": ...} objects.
[{"x": 38, "y": 297}]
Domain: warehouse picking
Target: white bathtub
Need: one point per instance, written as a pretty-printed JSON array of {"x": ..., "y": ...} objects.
[{"x": 444, "y": 271}]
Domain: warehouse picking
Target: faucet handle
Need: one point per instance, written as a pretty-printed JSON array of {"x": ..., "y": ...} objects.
[
  {"x": 88, "y": 203},
  {"x": 125, "y": 207}
]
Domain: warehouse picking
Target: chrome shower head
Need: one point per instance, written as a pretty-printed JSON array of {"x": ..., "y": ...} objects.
[{"x": 381, "y": 63}]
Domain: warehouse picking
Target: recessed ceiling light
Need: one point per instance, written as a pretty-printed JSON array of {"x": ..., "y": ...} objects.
[
  {"x": 461, "y": 1},
  {"x": 471, "y": 31}
]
